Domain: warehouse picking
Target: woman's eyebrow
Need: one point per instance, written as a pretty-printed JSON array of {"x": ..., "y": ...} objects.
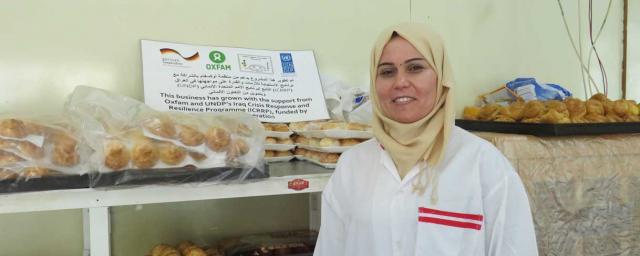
[
  {"x": 410, "y": 60},
  {"x": 385, "y": 63}
]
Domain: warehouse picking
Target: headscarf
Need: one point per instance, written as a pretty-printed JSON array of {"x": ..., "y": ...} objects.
[{"x": 421, "y": 142}]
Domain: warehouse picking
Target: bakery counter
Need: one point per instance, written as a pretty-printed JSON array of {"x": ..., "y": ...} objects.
[
  {"x": 584, "y": 191},
  {"x": 286, "y": 178}
]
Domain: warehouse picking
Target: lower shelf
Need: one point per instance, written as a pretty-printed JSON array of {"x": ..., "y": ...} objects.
[{"x": 286, "y": 178}]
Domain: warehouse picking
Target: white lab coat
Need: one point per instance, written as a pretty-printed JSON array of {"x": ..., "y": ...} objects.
[{"x": 482, "y": 208}]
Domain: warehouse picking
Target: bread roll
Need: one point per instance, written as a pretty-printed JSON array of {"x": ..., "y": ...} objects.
[
  {"x": 171, "y": 154},
  {"x": 190, "y": 136},
  {"x": 471, "y": 113},
  {"x": 283, "y": 153},
  {"x": 30, "y": 150},
  {"x": 116, "y": 155},
  {"x": 356, "y": 127},
  {"x": 12, "y": 128},
  {"x": 218, "y": 139},
  {"x": 34, "y": 172},
  {"x": 300, "y": 152},
  {"x": 6, "y": 174},
  {"x": 349, "y": 142},
  {"x": 270, "y": 140},
  {"x": 328, "y": 142},
  {"x": 160, "y": 125},
  {"x": 64, "y": 150},
  {"x": 280, "y": 127},
  {"x": 329, "y": 158},
  {"x": 145, "y": 153},
  {"x": 8, "y": 158},
  {"x": 269, "y": 153}
]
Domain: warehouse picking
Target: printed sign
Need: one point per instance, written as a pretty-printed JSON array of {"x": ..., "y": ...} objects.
[{"x": 274, "y": 86}]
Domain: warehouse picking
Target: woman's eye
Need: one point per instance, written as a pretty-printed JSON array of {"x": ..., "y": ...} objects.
[
  {"x": 385, "y": 72},
  {"x": 415, "y": 68}
]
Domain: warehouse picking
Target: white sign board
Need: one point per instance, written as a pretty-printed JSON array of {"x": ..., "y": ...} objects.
[{"x": 274, "y": 86}]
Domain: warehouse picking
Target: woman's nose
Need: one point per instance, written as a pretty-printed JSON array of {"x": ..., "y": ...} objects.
[{"x": 401, "y": 81}]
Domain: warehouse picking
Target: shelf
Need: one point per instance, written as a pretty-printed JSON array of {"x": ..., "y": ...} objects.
[{"x": 278, "y": 184}]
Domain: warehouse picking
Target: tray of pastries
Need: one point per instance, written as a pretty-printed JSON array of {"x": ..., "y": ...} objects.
[{"x": 597, "y": 115}]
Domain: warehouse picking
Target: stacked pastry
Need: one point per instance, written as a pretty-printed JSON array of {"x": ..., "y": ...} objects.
[
  {"x": 31, "y": 149},
  {"x": 126, "y": 134},
  {"x": 278, "y": 143},
  {"x": 322, "y": 142},
  {"x": 185, "y": 248},
  {"x": 597, "y": 109}
]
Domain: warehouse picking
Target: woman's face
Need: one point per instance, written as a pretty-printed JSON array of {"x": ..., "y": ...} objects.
[{"x": 405, "y": 83}]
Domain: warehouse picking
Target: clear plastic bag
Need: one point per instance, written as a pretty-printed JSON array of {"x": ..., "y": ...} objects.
[
  {"x": 41, "y": 153},
  {"x": 134, "y": 144}
]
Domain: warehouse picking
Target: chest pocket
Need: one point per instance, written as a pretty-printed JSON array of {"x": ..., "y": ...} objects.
[{"x": 441, "y": 232}]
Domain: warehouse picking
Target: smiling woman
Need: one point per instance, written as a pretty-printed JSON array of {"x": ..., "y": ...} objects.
[{"x": 422, "y": 186}]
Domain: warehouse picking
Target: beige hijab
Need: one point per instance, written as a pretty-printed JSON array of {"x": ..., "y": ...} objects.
[{"x": 422, "y": 142}]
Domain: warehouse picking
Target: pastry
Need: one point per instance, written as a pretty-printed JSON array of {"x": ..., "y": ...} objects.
[
  {"x": 160, "y": 125},
  {"x": 182, "y": 246},
  {"x": 314, "y": 142},
  {"x": 269, "y": 153},
  {"x": 554, "y": 117},
  {"x": 594, "y": 107},
  {"x": 8, "y": 158},
  {"x": 558, "y": 106},
  {"x": 145, "y": 154},
  {"x": 6, "y": 174},
  {"x": 489, "y": 112},
  {"x": 596, "y": 118},
  {"x": 356, "y": 127},
  {"x": 193, "y": 251},
  {"x": 33, "y": 128},
  {"x": 329, "y": 158},
  {"x": 298, "y": 126},
  {"x": 243, "y": 130},
  {"x": 280, "y": 127},
  {"x": 328, "y": 142},
  {"x": 633, "y": 108},
  {"x": 267, "y": 126},
  {"x": 64, "y": 150},
  {"x": 116, "y": 155},
  {"x": 270, "y": 140},
  {"x": 283, "y": 153},
  {"x": 503, "y": 118},
  {"x": 13, "y": 128},
  {"x": 333, "y": 125},
  {"x": 34, "y": 172},
  {"x": 533, "y": 109},
  {"x": 30, "y": 150},
  {"x": 471, "y": 113},
  {"x": 300, "y": 152},
  {"x": 577, "y": 108},
  {"x": 213, "y": 252},
  {"x": 516, "y": 110},
  {"x": 302, "y": 140},
  {"x": 171, "y": 154},
  {"x": 349, "y": 142},
  {"x": 190, "y": 136},
  {"x": 599, "y": 97},
  {"x": 217, "y": 139},
  {"x": 284, "y": 141},
  {"x": 238, "y": 148},
  {"x": 158, "y": 249},
  {"x": 621, "y": 108}
]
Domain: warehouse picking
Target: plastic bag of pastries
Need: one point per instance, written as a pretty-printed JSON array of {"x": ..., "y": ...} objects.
[
  {"x": 42, "y": 146},
  {"x": 126, "y": 134}
]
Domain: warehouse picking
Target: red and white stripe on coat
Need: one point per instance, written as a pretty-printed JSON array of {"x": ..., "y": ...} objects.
[{"x": 452, "y": 219}]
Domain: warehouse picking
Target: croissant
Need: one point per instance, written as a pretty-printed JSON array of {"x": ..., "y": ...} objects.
[
  {"x": 533, "y": 109},
  {"x": 471, "y": 113}
]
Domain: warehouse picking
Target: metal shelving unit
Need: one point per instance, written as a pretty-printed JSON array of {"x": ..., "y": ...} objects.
[{"x": 286, "y": 178}]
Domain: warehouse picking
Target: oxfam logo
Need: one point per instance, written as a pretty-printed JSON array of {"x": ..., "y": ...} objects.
[{"x": 216, "y": 56}]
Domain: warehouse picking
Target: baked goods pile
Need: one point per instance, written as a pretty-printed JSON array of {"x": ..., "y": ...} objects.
[
  {"x": 36, "y": 148},
  {"x": 272, "y": 244},
  {"x": 126, "y": 134},
  {"x": 322, "y": 142},
  {"x": 597, "y": 109},
  {"x": 185, "y": 248},
  {"x": 278, "y": 143}
]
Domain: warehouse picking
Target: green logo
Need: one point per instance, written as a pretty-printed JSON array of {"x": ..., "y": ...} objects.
[{"x": 216, "y": 56}]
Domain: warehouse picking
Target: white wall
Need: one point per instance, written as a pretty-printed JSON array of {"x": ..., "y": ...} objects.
[
  {"x": 493, "y": 42},
  {"x": 633, "y": 51}
]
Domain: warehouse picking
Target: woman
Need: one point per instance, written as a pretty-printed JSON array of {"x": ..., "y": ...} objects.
[{"x": 423, "y": 186}]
